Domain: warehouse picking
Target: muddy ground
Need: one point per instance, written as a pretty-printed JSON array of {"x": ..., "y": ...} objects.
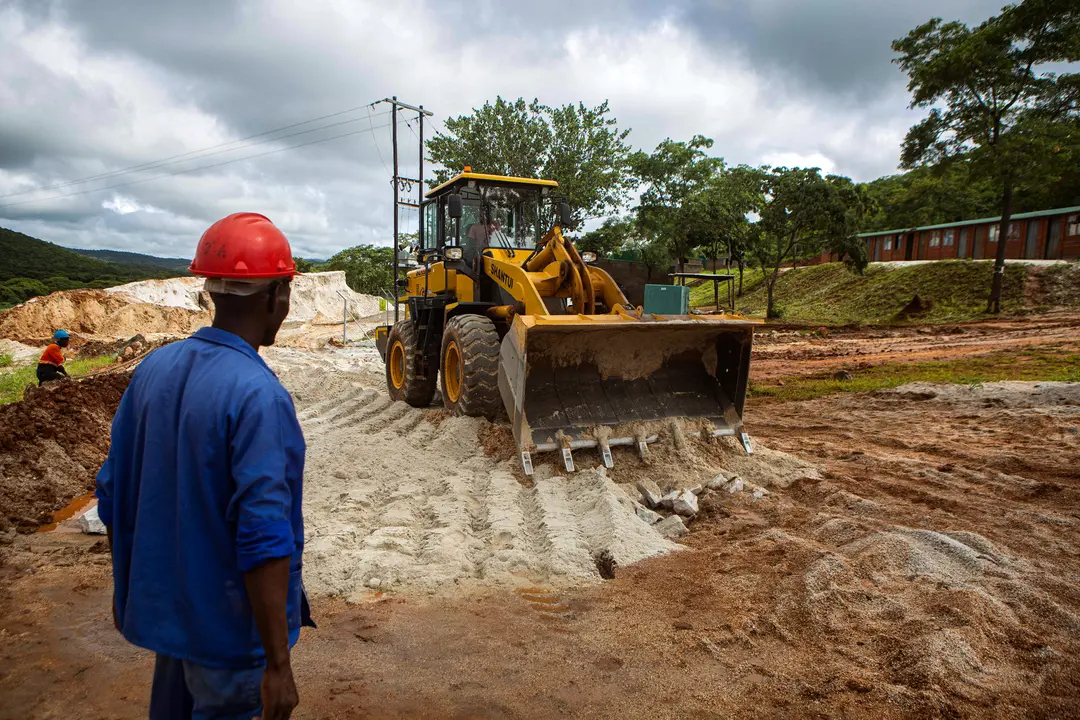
[
  {"x": 928, "y": 568},
  {"x": 781, "y": 351}
]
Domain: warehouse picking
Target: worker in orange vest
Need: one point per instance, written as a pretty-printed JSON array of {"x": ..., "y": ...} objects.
[{"x": 51, "y": 365}]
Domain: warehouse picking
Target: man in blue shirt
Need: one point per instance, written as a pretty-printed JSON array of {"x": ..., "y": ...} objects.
[{"x": 201, "y": 495}]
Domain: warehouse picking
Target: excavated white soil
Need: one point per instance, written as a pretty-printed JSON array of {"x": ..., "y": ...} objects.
[{"x": 406, "y": 499}]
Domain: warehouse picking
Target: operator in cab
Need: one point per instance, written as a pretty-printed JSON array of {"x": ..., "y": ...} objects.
[{"x": 51, "y": 365}]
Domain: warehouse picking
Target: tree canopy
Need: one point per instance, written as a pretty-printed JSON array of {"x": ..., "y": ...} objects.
[
  {"x": 994, "y": 100},
  {"x": 670, "y": 177},
  {"x": 580, "y": 147},
  {"x": 367, "y": 268},
  {"x": 802, "y": 213}
]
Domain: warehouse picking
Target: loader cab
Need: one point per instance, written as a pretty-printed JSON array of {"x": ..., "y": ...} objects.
[{"x": 497, "y": 212}]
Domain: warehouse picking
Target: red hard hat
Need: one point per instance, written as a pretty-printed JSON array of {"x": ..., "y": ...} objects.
[{"x": 243, "y": 245}]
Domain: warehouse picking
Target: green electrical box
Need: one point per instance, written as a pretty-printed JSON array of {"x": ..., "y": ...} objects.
[{"x": 667, "y": 299}]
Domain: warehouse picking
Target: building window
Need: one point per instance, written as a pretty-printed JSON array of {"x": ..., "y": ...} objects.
[
  {"x": 993, "y": 236},
  {"x": 935, "y": 238},
  {"x": 1014, "y": 231},
  {"x": 948, "y": 237},
  {"x": 1072, "y": 225},
  {"x": 888, "y": 242}
]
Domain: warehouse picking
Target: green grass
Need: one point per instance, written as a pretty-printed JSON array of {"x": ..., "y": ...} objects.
[
  {"x": 1036, "y": 364},
  {"x": 6, "y": 360},
  {"x": 13, "y": 382},
  {"x": 701, "y": 293},
  {"x": 831, "y": 294}
]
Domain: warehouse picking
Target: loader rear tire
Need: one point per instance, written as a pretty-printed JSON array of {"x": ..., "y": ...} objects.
[
  {"x": 470, "y": 367},
  {"x": 404, "y": 380}
]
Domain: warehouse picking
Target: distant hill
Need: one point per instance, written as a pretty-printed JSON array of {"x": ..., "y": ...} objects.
[
  {"x": 34, "y": 267},
  {"x": 179, "y": 265}
]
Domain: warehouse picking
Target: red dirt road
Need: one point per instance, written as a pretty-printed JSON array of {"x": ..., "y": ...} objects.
[{"x": 786, "y": 353}]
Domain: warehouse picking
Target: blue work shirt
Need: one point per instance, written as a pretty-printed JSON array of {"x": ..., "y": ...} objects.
[{"x": 203, "y": 483}]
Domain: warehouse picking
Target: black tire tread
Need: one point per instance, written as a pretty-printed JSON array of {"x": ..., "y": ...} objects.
[
  {"x": 419, "y": 388},
  {"x": 479, "y": 343}
]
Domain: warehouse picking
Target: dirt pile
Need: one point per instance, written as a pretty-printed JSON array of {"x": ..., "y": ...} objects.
[
  {"x": 20, "y": 354},
  {"x": 52, "y": 444},
  {"x": 320, "y": 298},
  {"x": 177, "y": 306},
  {"x": 417, "y": 501},
  {"x": 97, "y": 312}
]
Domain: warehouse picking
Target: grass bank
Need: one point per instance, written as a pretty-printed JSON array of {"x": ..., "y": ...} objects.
[
  {"x": 14, "y": 381},
  {"x": 953, "y": 290},
  {"x": 1035, "y": 364}
]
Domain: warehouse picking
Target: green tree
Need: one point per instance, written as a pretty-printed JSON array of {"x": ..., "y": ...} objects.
[
  {"x": 800, "y": 214},
  {"x": 579, "y": 147},
  {"x": 928, "y": 195},
  {"x": 608, "y": 238},
  {"x": 367, "y": 268},
  {"x": 304, "y": 266},
  {"x": 991, "y": 98},
  {"x": 672, "y": 175},
  {"x": 718, "y": 216}
]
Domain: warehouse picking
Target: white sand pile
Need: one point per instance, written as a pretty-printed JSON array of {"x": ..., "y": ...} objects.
[
  {"x": 317, "y": 299},
  {"x": 1009, "y": 393},
  {"x": 406, "y": 499},
  {"x": 20, "y": 354},
  {"x": 182, "y": 292},
  {"x": 175, "y": 306}
]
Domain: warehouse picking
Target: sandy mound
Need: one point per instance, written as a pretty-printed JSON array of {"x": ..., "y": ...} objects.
[
  {"x": 96, "y": 312},
  {"x": 20, "y": 354},
  {"x": 1008, "y": 393},
  {"x": 52, "y": 444},
  {"x": 415, "y": 500},
  {"x": 317, "y": 298},
  {"x": 177, "y": 306},
  {"x": 402, "y": 498},
  {"x": 182, "y": 292}
]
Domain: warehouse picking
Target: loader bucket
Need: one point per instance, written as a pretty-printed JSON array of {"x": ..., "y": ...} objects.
[{"x": 563, "y": 377}]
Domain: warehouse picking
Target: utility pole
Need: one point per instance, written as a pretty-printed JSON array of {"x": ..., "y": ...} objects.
[{"x": 405, "y": 184}]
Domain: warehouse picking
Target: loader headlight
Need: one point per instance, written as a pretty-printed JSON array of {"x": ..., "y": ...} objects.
[
  {"x": 589, "y": 257},
  {"x": 453, "y": 253}
]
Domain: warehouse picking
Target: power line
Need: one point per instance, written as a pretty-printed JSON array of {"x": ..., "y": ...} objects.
[
  {"x": 198, "y": 154},
  {"x": 196, "y": 169},
  {"x": 376, "y": 141}
]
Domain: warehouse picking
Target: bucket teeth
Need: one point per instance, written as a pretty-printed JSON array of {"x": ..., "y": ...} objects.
[
  {"x": 747, "y": 446},
  {"x": 605, "y": 454},
  {"x": 642, "y": 446},
  {"x": 567, "y": 456},
  {"x": 526, "y": 462}
]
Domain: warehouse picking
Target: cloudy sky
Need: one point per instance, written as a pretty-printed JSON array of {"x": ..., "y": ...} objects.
[{"x": 88, "y": 89}]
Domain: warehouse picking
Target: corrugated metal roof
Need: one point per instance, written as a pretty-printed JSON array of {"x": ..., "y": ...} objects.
[{"x": 980, "y": 221}]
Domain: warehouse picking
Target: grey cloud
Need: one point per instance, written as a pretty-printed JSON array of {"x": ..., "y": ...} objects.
[
  {"x": 840, "y": 46},
  {"x": 247, "y": 66}
]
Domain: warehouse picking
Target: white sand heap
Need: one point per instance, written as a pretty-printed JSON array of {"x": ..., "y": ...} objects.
[
  {"x": 182, "y": 292},
  {"x": 317, "y": 298},
  {"x": 20, "y": 354},
  {"x": 177, "y": 306}
]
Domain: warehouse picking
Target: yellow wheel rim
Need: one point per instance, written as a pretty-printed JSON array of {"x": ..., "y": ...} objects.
[
  {"x": 452, "y": 372},
  {"x": 397, "y": 366}
]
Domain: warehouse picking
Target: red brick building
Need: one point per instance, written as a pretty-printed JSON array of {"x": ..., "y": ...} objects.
[{"x": 1041, "y": 235}]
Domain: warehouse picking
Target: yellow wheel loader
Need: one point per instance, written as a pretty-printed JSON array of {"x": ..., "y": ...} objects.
[{"x": 509, "y": 314}]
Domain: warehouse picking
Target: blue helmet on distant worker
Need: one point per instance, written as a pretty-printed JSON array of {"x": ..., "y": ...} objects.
[{"x": 61, "y": 335}]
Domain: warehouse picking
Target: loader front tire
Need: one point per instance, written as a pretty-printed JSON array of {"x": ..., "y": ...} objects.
[
  {"x": 470, "y": 367},
  {"x": 404, "y": 380}
]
